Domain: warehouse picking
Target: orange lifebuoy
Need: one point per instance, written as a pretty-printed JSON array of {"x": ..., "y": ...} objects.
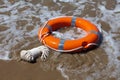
[{"x": 58, "y": 44}]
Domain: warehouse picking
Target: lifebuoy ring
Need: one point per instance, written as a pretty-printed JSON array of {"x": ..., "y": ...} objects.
[{"x": 62, "y": 45}]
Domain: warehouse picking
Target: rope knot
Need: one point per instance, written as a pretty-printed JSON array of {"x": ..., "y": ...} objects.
[{"x": 32, "y": 54}]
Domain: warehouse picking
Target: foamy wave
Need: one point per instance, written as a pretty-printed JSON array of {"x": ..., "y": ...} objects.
[
  {"x": 4, "y": 55},
  {"x": 21, "y": 11},
  {"x": 62, "y": 70}
]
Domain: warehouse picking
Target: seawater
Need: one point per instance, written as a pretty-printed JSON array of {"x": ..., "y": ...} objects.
[{"x": 20, "y": 21}]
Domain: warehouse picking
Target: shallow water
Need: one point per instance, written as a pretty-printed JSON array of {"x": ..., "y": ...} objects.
[{"x": 21, "y": 19}]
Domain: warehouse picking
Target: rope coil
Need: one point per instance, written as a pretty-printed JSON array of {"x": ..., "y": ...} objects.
[{"x": 32, "y": 54}]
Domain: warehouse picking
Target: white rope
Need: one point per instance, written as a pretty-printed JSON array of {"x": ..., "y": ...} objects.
[{"x": 32, "y": 54}]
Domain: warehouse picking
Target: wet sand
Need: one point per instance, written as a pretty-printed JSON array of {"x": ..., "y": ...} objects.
[{"x": 13, "y": 70}]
